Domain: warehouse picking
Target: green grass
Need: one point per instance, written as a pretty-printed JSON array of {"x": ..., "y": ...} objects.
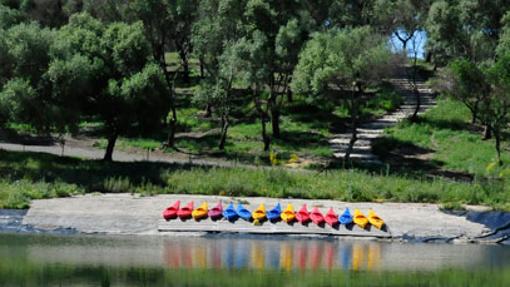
[
  {"x": 446, "y": 132},
  {"x": 28, "y": 176}
]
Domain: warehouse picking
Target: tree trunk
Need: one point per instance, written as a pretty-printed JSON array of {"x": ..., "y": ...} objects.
[
  {"x": 170, "y": 141},
  {"x": 224, "y": 129},
  {"x": 208, "y": 110},
  {"x": 265, "y": 137},
  {"x": 497, "y": 136},
  {"x": 185, "y": 66},
  {"x": 275, "y": 121},
  {"x": 473, "y": 117},
  {"x": 414, "y": 117},
  {"x": 202, "y": 68},
  {"x": 290, "y": 97},
  {"x": 108, "y": 156},
  {"x": 354, "y": 124},
  {"x": 487, "y": 132}
]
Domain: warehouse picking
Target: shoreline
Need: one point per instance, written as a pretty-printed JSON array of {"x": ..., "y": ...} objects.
[{"x": 126, "y": 214}]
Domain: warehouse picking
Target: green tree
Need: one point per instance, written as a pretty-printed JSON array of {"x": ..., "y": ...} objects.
[
  {"x": 25, "y": 60},
  {"x": 495, "y": 109},
  {"x": 466, "y": 82},
  {"x": 108, "y": 70},
  {"x": 346, "y": 61}
]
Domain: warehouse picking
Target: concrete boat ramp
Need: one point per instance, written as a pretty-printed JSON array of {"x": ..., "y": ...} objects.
[
  {"x": 242, "y": 226},
  {"x": 133, "y": 214}
]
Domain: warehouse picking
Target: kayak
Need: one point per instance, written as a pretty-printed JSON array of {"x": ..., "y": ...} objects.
[
  {"x": 216, "y": 211},
  {"x": 360, "y": 219},
  {"x": 346, "y": 217},
  {"x": 375, "y": 220},
  {"x": 259, "y": 214},
  {"x": 303, "y": 215},
  {"x": 171, "y": 211},
  {"x": 201, "y": 211},
  {"x": 316, "y": 216},
  {"x": 274, "y": 214},
  {"x": 288, "y": 215},
  {"x": 185, "y": 212},
  {"x": 230, "y": 212},
  {"x": 331, "y": 217},
  {"x": 243, "y": 212}
]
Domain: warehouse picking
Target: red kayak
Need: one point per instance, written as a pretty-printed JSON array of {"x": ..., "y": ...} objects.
[
  {"x": 185, "y": 212},
  {"x": 171, "y": 211},
  {"x": 303, "y": 215},
  {"x": 316, "y": 216},
  {"x": 331, "y": 217},
  {"x": 216, "y": 212}
]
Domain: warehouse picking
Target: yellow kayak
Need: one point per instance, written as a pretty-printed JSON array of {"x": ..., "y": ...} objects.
[
  {"x": 288, "y": 215},
  {"x": 375, "y": 220},
  {"x": 259, "y": 214},
  {"x": 360, "y": 219},
  {"x": 200, "y": 212}
]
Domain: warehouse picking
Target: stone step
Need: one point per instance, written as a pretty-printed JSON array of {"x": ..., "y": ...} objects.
[
  {"x": 355, "y": 149},
  {"x": 356, "y": 155},
  {"x": 345, "y": 141}
]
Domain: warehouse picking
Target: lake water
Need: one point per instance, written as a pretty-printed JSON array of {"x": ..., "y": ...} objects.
[{"x": 218, "y": 260}]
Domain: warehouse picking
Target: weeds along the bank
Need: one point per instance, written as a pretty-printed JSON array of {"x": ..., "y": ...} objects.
[{"x": 28, "y": 176}]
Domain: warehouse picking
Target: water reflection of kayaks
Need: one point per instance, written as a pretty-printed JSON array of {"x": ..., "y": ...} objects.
[
  {"x": 216, "y": 212},
  {"x": 185, "y": 212},
  {"x": 288, "y": 215},
  {"x": 171, "y": 211},
  {"x": 259, "y": 214},
  {"x": 274, "y": 214},
  {"x": 200, "y": 212},
  {"x": 346, "y": 217},
  {"x": 303, "y": 215},
  {"x": 359, "y": 218},
  {"x": 331, "y": 217},
  {"x": 230, "y": 212},
  {"x": 374, "y": 219},
  {"x": 243, "y": 212},
  {"x": 316, "y": 216}
]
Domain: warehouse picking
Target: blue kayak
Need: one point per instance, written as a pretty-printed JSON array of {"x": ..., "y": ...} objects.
[
  {"x": 230, "y": 212},
  {"x": 243, "y": 212},
  {"x": 346, "y": 217},
  {"x": 274, "y": 214}
]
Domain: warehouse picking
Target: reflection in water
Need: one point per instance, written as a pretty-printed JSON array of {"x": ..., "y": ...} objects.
[
  {"x": 240, "y": 261},
  {"x": 274, "y": 255}
]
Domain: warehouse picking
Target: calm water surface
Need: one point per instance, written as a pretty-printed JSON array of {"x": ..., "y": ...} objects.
[{"x": 41, "y": 260}]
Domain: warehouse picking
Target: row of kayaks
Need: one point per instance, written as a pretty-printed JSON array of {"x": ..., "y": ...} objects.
[{"x": 288, "y": 215}]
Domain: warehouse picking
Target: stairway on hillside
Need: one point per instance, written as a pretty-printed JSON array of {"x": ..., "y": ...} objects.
[{"x": 369, "y": 131}]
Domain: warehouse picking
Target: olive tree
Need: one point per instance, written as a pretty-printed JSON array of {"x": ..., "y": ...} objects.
[
  {"x": 343, "y": 61},
  {"x": 110, "y": 72}
]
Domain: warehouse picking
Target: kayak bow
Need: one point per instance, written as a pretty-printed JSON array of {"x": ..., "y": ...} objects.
[
  {"x": 171, "y": 211},
  {"x": 243, "y": 212},
  {"x": 201, "y": 211},
  {"x": 274, "y": 214},
  {"x": 185, "y": 212},
  {"x": 346, "y": 217},
  {"x": 359, "y": 218},
  {"x": 259, "y": 214},
  {"x": 288, "y": 215},
  {"x": 331, "y": 217},
  {"x": 316, "y": 216},
  {"x": 303, "y": 215},
  {"x": 375, "y": 220},
  {"x": 230, "y": 213},
  {"x": 216, "y": 212}
]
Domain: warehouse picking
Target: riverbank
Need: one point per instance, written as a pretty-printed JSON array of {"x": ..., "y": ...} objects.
[{"x": 132, "y": 214}]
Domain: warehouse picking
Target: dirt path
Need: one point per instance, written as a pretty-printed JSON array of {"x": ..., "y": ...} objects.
[
  {"x": 80, "y": 149},
  {"x": 370, "y": 131}
]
